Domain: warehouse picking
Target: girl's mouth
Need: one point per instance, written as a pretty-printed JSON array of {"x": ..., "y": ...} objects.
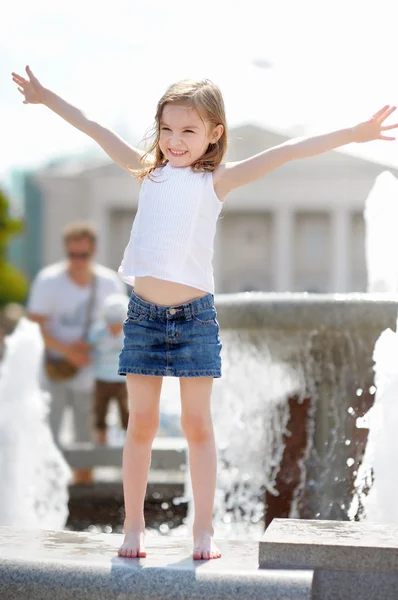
[{"x": 177, "y": 153}]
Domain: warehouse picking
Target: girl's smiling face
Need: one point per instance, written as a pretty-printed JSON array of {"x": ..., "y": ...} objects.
[{"x": 185, "y": 135}]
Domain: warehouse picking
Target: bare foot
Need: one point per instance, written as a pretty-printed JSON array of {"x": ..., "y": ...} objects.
[
  {"x": 204, "y": 547},
  {"x": 133, "y": 545}
]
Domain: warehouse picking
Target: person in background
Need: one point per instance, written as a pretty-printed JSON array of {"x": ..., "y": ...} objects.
[
  {"x": 106, "y": 338},
  {"x": 63, "y": 299}
]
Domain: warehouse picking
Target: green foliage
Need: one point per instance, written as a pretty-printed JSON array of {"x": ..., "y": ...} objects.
[{"x": 13, "y": 284}]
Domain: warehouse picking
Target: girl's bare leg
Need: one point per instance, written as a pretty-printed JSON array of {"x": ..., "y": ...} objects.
[
  {"x": 197, "y": 426},
  {"x": 144, "y": 394}
]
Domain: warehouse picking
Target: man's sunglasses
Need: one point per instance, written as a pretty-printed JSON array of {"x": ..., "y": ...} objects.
[{"x": 79, "y": 255}]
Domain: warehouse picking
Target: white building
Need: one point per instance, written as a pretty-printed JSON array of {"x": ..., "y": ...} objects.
[{"x": 300, "y": 228}]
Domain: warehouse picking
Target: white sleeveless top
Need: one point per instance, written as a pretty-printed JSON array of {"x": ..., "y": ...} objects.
[{"x": 173, "y": 232}]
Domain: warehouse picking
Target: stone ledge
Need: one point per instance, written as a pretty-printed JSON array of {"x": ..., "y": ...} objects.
[
  {"x": 68, "y": 565},
  {"x": 330, "y": 545},
  {"x": 167, "y": 453},
  {"x": 298, "y": 311}
]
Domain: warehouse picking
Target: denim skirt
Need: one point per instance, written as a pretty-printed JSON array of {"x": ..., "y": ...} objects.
[{"x": 176, "y": 341}]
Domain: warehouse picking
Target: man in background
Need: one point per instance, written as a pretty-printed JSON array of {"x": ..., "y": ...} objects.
[{"x": 64, "y": 299}]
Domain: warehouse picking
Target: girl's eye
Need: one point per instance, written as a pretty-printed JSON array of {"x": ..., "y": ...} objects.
[
  {"x": 188, "y": 131},
  {"x": 165, "y": 129}
]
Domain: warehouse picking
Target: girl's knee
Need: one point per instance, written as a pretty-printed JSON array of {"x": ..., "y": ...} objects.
[
  {"x": 196, "y": 429},
  {"x": 143, "y": 425}
]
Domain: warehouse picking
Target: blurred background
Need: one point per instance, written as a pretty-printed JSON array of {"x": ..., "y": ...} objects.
[{"x": 285, "y": 68}]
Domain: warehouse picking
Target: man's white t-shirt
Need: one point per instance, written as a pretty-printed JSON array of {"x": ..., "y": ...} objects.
[{"x": 56, "y": 296}]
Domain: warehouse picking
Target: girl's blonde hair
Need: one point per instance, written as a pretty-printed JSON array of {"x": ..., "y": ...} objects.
[{"x": 206, "y": 98}]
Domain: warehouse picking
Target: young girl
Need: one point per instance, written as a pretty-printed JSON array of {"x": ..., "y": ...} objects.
[{"x": 171, "y": 326}]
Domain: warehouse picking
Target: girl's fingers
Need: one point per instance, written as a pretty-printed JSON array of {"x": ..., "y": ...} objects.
[
  {"x": 387, "y": 113},
  {"x": 387, "y": 127},
  {"x": 386, "y": 137},
  {"x": 19, "y": 79},
  {"x": 21, "y": 90},
  {"x": 380, "y": 112},
  {"x": 29, "y": 72}
]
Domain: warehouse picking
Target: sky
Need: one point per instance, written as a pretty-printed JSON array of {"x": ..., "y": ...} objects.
[{"x": 302, "y": 65}]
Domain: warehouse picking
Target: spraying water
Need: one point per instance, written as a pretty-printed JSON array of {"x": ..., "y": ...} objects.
[
  {"x": 377, "y": 482},
  {"x": 33, "y": 472},
  {"x": 381, "y": 218}
]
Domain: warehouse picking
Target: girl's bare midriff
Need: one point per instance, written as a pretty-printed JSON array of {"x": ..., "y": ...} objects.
[{"x": 165, "y": 293}]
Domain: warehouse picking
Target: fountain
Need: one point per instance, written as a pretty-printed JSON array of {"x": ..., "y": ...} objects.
[
  {"x": 33, "y": 472},
  {"x": 298, "y": 377}
]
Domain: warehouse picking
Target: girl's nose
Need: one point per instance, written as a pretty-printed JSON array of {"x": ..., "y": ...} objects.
[{"x": 175, "y": 139}]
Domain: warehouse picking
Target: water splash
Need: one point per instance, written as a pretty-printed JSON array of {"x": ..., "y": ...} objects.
[
  {"x": 251, "y": 414},
  {"x": 376, "y": 483},
  {"x": 266, "y": 374},
  {"x": 33, "y": 472}
]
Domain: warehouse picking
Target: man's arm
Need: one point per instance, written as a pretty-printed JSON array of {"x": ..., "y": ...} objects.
[{"x": 76, "y": 353}]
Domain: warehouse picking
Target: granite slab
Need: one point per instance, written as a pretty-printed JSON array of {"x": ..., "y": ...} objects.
[
  {"x": 345, "y": 545},
  {"x": 66, "y": 565}
]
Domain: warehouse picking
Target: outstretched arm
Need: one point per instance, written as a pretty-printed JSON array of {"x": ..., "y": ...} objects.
[
  {"x": 119, "y": 151},
  {"x": 235, "y": 174}
]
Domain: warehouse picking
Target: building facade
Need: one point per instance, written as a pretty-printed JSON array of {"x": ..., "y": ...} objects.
[{"x": 300, "y": 228}]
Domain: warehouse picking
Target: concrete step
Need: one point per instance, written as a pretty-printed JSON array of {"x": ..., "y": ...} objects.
[
  {"x": 353, "y": 560},
  {"x": 167, "y": 454},
  {"x": 330, "y": 544},
  {"x": 43, "y": 565}
]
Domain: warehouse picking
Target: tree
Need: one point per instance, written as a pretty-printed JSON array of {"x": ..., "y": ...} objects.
[{"x": 13, "y": 284}]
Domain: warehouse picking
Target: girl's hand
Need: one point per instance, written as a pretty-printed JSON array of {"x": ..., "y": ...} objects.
[
  {"x": 30, "y": 88},
  {"x": 373, "y": 129}
]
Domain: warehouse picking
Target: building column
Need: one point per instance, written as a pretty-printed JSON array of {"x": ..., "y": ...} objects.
[
  {"x": 99, "y": 216},
  {"x": 283, "y": 228},
  {"x": 340, "y": 236}
]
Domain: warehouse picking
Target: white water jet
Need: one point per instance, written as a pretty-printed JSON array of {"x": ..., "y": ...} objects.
[
  {"x": 33, "y": 472},
  {"x": 377, "y": 480},
  {"x": 381, "y": 219}
]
